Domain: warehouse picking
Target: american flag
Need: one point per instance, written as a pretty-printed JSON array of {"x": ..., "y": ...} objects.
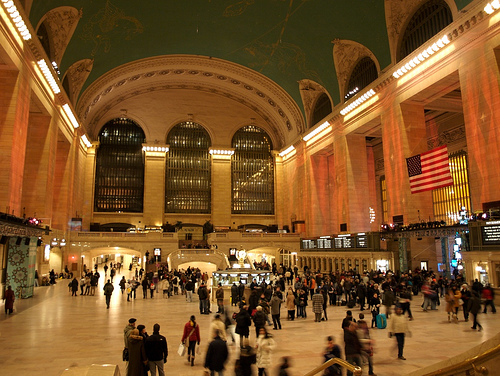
[{"x": 429, "y": 170}]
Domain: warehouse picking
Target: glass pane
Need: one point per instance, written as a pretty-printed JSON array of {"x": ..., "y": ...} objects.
[
  {"x": 119, "y": 185},
  {"x": 252, "y": 170},
  {"x": 188, "y": 170}
]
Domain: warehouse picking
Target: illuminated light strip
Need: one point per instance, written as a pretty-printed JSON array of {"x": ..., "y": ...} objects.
[
  {"x": 17, "y": 19},
  {"x": 491, "y": 7},
  {"x": 161, "y": 149},
  {"x": 86, "y": 141},
  {"x": 287, "y": 150},
  {"x": 433, "y": 48},
  {"x": 48, "y": 76},
  {"x": 310, "y": 135},
  {"x": 357, "y": 102},
  {"x": 364, "y": 105},
  {"x": 72, "y": 118},
  {"x": 221, "y": 151}
]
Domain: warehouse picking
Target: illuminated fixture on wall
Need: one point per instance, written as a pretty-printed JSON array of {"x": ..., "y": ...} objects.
[
  {"x": 159, "y": 149},
  {"x": 321, "y": 128},
  {"x": 431, "y": 50},
  {"x": 86, "y": 141},
  {"x": 492, "y": 6},
  {"x": 72, "y": 118},
  {"x": 221, "y": 151},
  {"x": 287, "y": 151},
  {"x": 370, "y": 93},
  {"x": 17, "y": 19},
  {"x": 48, "y": 76}
]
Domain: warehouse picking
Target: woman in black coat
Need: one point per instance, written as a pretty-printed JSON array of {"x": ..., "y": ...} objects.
[
  {"x": 243, "y": 322},
  {"x": 137, "y": 354}
]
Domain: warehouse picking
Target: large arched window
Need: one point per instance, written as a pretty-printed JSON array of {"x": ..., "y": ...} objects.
[
  {"x": 428, "y": 20},
  {"x": 363, "y": 74},
  {"x": 252, "y": 172},
  {"x": 188, "y": 170},
  {"x": 322, "y": 108},
  {"x": 119, "y": 184}
]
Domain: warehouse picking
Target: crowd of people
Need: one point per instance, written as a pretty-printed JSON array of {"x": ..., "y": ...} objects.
[{"x": 259, "y": 304}]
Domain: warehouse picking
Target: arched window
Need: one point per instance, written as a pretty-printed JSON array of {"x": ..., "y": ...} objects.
[
  {"x": 44, "y": 38},
  {"x": 322, "y": 108},
  {"x": 252, "y": 172},
  {"x": 119, "y": 185},
  {"x": 363, "y": 74},
  {"x": 428, "y": 20},
  {"x": 188, "y": 170}
]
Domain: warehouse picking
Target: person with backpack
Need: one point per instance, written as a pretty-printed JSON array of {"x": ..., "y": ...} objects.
[{"x": 108, "y": 290}]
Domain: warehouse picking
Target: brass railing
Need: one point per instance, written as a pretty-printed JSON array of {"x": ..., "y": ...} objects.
[
  {"x": 468, "y": 365},
  {"x": 354, "y": 369}
]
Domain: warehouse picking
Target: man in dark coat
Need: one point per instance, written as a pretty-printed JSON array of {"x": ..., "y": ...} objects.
[
  {"x": 156, "y": 351},
  {"x": 108, "y": 290},
  {"x": 203, "y": 296},
  {"x": 217, "y": 354},
  {"x": 74, "y": 287},
  {"x": 234, "y": 294},
  {"x": 352, "y": 346}
]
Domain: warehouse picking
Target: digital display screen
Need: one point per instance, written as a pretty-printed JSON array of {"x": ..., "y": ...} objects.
[{"x": 491, "y": 234}]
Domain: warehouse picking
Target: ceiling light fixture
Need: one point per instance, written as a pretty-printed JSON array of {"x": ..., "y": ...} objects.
[
  {"x": 49, "y": 76},
  {"x": 72, "y": 118},
  {"x": 435, "y": 47},
  {"x": 17, "y": 19},
  {"x": 310, "y": 135},
  {"x": 159, "y": 149},
  {"x": 358, "y": 101},
  {"x": 287, "y": 151}
]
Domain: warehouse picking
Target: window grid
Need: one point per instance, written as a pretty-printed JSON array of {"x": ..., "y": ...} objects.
[
  {"x": 252, "y": 170},
  {"x": 428, "y": 21},
  {"x": 363, "y": 74},
  {"x": 322, "y": 108},
  {"x": 383, "y": 190},
  {"x": 188, "y": 170},
  {"x": 449, "y": 200},
  {"x": 119, "y": 185}
]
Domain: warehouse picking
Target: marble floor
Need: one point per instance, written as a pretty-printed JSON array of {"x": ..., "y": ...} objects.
[{"x": 54, "y": 331}]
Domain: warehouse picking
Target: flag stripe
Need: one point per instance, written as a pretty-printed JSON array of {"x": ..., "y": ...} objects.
[{"x": 429, "y": 170}]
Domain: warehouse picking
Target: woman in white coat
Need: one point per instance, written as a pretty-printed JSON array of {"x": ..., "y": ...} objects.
[{"x": 264, "y": 347}]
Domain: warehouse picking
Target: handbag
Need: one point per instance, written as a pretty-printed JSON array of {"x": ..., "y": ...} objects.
[
  {"x": 181, "y": 350},
  {"x": 125, "y": 354}
]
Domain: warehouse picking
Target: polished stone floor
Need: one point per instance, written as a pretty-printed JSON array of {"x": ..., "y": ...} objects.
[{"x": 54, "y": 331}]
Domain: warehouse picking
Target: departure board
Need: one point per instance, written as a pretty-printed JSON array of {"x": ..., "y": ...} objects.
[
  {"x": 361, "y": 241},
  {"x": 491, "y": 234},
  {"x": 324, "y": 243},
  {"x": 340, "y": 242}
]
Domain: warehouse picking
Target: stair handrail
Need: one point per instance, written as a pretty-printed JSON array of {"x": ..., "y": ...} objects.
[{"x": 341, "y": 362}]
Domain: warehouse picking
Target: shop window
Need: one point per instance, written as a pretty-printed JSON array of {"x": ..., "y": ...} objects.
[
  {"x": 428, "y": 20},
  {"x": 188, "y": 170},
  {"x": 119, "y": 184},
  {"x": 252, "y": 172}
]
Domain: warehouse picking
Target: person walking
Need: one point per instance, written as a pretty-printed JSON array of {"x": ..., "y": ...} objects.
[
  {"x": 275, "y": 304},
  {"x": 399, "y": 329},
  {"x": 191, "y": 334},
  {"x": 488, "y": 296},
  {"x": 219, "y": 295},
  {"x": 332, "y": 351},
  {"x": 352, "y": 346},
  {"x": 474, "y": 308},
  {"x": 156, "y": 351},
  {"x": 9, "y": 300},
  {"x": 217, "y": 354},
  {"x": 243, "y": 365},
  {"x": 74, "y": 287},
  {"x": 264, "y": 348},
  {"x": 243, "y": 322},
  {"x": 108, "y": 290}
]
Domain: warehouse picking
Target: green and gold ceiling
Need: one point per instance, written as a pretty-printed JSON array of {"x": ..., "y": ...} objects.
[{"x": 285, "y": 40}]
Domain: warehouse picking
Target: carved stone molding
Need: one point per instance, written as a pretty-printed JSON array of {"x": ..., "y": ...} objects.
[
  {"x": 448, "y": 137},
  {"x": 309, "y": 92},
  {"x": 195, "y": 73},
  {"x": 61, "y": 23},
  {"x": 7, "y": 229},
  {"x": 77, "y": 74},
  {"x": 346, "y": 54},
  {"x": 379, "y": 164}
]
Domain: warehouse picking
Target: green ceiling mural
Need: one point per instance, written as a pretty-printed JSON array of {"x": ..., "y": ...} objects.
[{"x": 286, "y": 40}]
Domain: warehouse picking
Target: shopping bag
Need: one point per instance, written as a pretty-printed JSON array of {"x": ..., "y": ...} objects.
[{"x": 181, "y": 350}]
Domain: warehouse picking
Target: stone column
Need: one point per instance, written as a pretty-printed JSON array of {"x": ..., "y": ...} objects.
[
  {"x": 221, "y": 190},
  {"x": 15, "y": 97},
  {"x": 479, "y": 76},
  {"x": 89, "y": 186},
  {"x": 154, "y": 187}
]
